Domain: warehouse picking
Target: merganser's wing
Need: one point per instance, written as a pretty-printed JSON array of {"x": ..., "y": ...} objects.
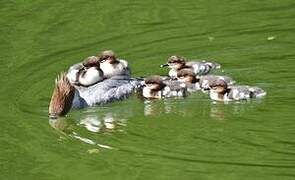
[
  {"x": 245, "y": 92},
  {"x": 202, "y": 67},
  {"x": 115, "y": 88}
]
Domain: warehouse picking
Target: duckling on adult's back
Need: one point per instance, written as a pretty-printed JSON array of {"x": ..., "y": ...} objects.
[
  {"x": 112, "y": 66},
  {"x": 86, "y": 73}
]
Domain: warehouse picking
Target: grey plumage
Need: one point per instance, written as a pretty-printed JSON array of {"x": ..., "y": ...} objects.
[
  {"x": 202, "y": 67},
  {"x": 245, "y": 92},
  {"x": 207, "y": 79},
  {"x": 115, "y": 88}
]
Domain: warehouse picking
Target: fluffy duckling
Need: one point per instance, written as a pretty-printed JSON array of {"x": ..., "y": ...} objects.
[
  {"x": 220, "y": 91},
  {"x": 195, "y": 83},
  {"x": 176, "y": 63},
  {"x": 112, "y": 66},
  {"x": 155, "y": 87},
  {"x": 86, "y": 73}
]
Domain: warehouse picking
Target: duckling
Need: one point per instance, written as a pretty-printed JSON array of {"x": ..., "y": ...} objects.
[
  {"x": 92, "y": 73},
  {"x": 111, "y": 66},
  {"x": 195, "y": 83},
  {"x": 176, "y": 63},
  {"x": 220, "y": 91},
  {"x": 67, "y": 95},
  {"x": 155, "y": 87},
  {"x": 86, "y": 73}
]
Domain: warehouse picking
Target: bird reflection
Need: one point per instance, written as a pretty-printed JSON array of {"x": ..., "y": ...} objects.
[
  {"x": 223, "y": 110},
  {"x": 200, "y": 109},
  {"x": 217, "y": 111},
  {"x": 156, "y": 107},
  {"x": 93, "y": 122}
]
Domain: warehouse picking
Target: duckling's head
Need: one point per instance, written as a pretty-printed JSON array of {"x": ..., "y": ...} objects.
[
  {"x": 175, "y": 62},
  {"x": 218, "y": 86},
  {"x": 91, "y": 61},
  {"x": 154, "y": 83},
  {"x": 62, "y": 97},
  {"x": 186, "y": 75},
  {"x": 107, "y": 56}
]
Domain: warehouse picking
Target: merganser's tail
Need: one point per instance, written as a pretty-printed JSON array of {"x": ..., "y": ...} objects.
[
  {"x": 257, "y": 92},
  {"x": 62, "y": 97}
]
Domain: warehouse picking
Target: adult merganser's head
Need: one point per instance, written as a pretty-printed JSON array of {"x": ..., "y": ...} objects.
[
  {"x": 107, "y": 56},
  {"x": 186, "y": 75},
  {"x": 218, "y": 86},
  {"x": 62, "y": 97},
  {"x": 175, "y": 62}
]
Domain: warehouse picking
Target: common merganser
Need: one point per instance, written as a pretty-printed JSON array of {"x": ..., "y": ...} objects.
[
  {"x": 86, "y": 73},
  {"x": 220, "y": 91},
  {"x": 202, "y": 67},
  {"x": 195, "y": 83},
  {"x": 112, "y": 66},
  {"x": 155, "y": 87},
  {"x": 66, "y": 95}
]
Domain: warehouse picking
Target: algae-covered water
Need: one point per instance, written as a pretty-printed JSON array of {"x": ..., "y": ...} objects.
[{"x": 190, "y": 138}]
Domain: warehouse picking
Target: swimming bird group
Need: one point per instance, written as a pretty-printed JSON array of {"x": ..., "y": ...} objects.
[{"x": 105, "y": 78}]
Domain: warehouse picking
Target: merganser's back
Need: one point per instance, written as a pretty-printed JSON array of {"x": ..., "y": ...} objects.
[
  {"x": 66, "y": 95},
  {"x": 202, "y": 67},
  {"x": 114, "y": 88}
]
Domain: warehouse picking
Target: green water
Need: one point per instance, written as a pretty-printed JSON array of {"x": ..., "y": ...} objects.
[{"x": 190, "y": 138}]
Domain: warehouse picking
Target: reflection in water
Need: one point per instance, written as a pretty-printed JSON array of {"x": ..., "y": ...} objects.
[
  {"x": 67, "y": 128},
  {"x": 222, "y": 110},
  {"x": 214, "y": 110},
  {"x": 217, "y": 111},
  {"x": 155, "y": 107},
  {"x": 94, "y": 123},
  {"x": 107, "y": 122}
]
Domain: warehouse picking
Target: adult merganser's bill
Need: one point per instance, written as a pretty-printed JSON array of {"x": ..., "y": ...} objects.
[
  {"x": 220, "y": 91},
  {"x": 202, "y": 67},
  {"x": 111, "y": 65},
  {"x": 66, "y": 96}
]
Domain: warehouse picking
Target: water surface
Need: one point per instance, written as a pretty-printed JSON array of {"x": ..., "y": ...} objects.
[{"x": 190, "y": 138}]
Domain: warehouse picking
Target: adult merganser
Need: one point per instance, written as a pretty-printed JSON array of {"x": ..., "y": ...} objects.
[
  {"x": 67, "y": 95},
  {"x": 86, "y": 73},
  {"x": 111, "y": 66},
  {"x": 220, "y": 91},
  {"x": 155, "y": 87},
  {"x": 202, "y": 67},
  {"x": 195, "y": 83}
]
